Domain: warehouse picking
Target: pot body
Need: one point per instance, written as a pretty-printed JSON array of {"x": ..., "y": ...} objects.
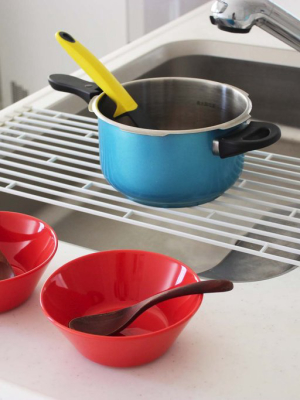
[{"x": 166, "y": 171}]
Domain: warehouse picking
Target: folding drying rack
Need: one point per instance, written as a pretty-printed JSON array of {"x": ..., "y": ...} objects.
[{"x": 53, "y": 157}]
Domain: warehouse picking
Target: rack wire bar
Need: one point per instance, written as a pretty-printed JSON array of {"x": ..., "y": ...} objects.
[{"x": 53, "y": 157}]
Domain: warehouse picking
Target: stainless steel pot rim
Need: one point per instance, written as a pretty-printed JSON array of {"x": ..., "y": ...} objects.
[{"x": 245, "y": 116}]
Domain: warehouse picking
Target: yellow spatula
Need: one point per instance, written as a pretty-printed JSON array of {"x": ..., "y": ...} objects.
[{"x": 105, "y": 80}]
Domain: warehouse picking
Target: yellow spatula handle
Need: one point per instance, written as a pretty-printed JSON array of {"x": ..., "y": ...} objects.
[{"x": 98, "y": 72}]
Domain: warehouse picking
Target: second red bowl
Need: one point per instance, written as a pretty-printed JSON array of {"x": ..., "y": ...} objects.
[{"x": 109, "y": 280}]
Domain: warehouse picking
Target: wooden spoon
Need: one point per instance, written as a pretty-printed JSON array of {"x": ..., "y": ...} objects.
[
  {"x": 6, "y": 270},
  {"x": 113, "y": 322}
]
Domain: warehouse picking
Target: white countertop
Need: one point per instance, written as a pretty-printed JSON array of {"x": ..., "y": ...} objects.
[{"x": 240, "y": 345}]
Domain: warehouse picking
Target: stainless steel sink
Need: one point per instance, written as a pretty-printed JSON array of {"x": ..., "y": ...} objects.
[
  {"x": 275, "y": 97},
  {"x": 272, "y": 88}
]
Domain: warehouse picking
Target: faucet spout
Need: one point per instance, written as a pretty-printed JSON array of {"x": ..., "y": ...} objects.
[{"x": 239, "y": 16}]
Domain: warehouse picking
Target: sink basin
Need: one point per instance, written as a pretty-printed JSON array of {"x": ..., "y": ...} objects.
[{"x": 271, "y": 88}]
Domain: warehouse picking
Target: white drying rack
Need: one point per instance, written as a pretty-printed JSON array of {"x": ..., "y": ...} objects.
[{"x": 53, "y": 157}]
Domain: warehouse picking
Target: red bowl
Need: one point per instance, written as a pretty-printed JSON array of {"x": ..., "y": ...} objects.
[
  {"x": 28, "y": 244},
  {"x": 109, "y": 280}
]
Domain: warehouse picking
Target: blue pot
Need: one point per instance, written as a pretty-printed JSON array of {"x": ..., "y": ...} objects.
[
  {"x": 182, "y": 167},
  {"x": 197, "y": 151}
]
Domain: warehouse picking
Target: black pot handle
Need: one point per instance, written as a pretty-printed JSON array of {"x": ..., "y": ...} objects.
[
  {"x": 255, "y": 135},
  {"x": 70, "y": 84}
]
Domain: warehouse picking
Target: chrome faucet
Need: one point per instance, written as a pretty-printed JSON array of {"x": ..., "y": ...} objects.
[{"x": 238, "y": 16}]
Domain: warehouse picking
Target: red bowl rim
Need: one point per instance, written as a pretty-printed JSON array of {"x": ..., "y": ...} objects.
[
  {"x": 48, "y": 259},
  {"x": 134, "y": 337}
]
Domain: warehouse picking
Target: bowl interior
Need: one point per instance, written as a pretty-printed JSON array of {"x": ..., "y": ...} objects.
[
  {"x": 26, "y": 242},
  {"x": 105, "y": 281}
]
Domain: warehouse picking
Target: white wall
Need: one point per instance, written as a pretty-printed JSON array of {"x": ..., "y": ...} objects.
[
  {"x": 159, "y": 12},
  {"x": 29, "y": 52},
  {"x": 146, "y": 15},
  {"x": 292, "y": 6}
]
